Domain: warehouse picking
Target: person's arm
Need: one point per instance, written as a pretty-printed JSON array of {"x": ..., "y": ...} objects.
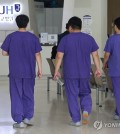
[
  {"x": 58, "y": 62},
  {"x": 6, "y": 46},
  {"x": 39, "y": 64},
  {"x": 4, "y": 53},
  {"x": 96, "y": 61},
  {"x": 106, "y": 58}
]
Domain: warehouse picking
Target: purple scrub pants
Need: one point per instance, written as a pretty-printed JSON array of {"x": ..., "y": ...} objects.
[
  {"x": 116, "y": 90},
  {"x": 76, "y": 88},
  {"x": 22, "y": 98}
]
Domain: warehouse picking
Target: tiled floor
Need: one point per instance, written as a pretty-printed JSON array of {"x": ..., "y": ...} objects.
[{"x": 51, "y": 113}]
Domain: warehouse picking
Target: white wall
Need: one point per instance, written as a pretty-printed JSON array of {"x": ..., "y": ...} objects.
[
  {"x": 27, "y": 7},
  {"x": 49, "y": 20},
  {"x": 41, "y": 18},
  {"x": 46, "y": 53},
  {"x": 68, "y": 12},
  {"x": 3, "y": 64},
  {"x": 24, "y": 9},
  {"x": 103, "y": 24},
  {"x": 33, "y": 23},
  {"x": 97, "y": 10},
  {"x": 54, "y": 20}
]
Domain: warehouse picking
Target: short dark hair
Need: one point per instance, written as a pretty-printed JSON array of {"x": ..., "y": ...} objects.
[
  {"x": 67, "y": 26},
  {"x": 117, "y": 22},
  {"x": 75, "y": 22},
  {"x": 22, "y": 21}
]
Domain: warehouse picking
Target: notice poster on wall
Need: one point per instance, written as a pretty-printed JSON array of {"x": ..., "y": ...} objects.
[{"x": 87, "y": 22}]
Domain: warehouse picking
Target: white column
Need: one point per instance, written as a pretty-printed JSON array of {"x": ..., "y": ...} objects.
[
  {"x": 103, "y": 24},
  {"x": 68, "y": 11},
  {"x": 98, "y": 12},
  {"x": 32, "y": 16}
]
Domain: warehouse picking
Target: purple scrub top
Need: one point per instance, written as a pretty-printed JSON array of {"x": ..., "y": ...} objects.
[
  {"x": 77, "y": 48},
  {"x": 113, "y": 47},
  {"x": 22, "y": 47}
]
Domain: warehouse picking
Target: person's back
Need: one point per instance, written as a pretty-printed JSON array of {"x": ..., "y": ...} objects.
[
  {"x": 22, "y": 51},
  {"x": 78, "y": 47},
  {"x": 75, "y": 49},
  {"x": 114, "y": 60}
]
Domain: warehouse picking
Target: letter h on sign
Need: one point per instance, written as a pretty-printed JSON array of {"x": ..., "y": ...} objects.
[{"x": 9, "y": 9}]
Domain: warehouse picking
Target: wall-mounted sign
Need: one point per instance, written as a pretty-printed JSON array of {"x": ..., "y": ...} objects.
[
  {"x": 9, "y": 12},
  {"x": 87, "y": 22}
]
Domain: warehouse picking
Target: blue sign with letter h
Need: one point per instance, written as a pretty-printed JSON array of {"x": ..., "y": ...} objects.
[{"x": 9, "y": 9}]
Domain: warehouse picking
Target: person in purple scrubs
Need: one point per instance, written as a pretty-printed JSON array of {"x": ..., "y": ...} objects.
[
  {"x": 23, "y": 49},
  {"x": 112, "y": 60},
  {"x": 75, "y": 50}
]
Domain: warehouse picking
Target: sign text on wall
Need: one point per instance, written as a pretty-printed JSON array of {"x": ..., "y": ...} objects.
[{"x": 8, "y": 12}]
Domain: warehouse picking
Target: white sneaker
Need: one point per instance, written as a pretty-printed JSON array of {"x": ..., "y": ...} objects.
[
  {"x": 19, "y": 125},
  {"x": 116, "y": 117},
  {"x": 28, "y": 122},
  {"x": 76, "y": 124}
]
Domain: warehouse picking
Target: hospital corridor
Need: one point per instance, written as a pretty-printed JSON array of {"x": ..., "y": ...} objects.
[{"x": 59, "y": 66}]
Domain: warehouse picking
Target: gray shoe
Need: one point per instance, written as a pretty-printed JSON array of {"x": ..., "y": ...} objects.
[
  {"x": 116, "y": 117},
  {"x": 76, "y": 124},
  {"x": 19, "y": 125},
  {"x": 28, "y": 122}
]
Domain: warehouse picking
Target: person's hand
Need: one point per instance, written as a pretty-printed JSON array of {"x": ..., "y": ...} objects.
[
  {"x": 104, "y": 66},
  {"x": 56, "y": 75},
  {"x": 98, "y": 73},
  {"x": 39, "y": 73}
]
